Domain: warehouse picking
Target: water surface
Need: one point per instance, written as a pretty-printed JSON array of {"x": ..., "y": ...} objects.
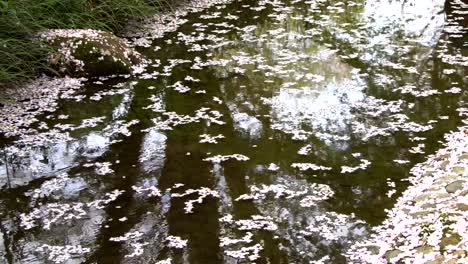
[{"x": 262, "y": 131}]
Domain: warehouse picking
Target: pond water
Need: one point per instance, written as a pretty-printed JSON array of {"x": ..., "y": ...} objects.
[{"x": 262, "y": 131}]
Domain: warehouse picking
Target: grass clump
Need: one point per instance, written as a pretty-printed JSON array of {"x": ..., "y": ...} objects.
[{"x": 22, "y": 58}]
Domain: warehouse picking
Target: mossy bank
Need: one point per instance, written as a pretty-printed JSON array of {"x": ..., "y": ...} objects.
[{"x": 23, "y": 58}]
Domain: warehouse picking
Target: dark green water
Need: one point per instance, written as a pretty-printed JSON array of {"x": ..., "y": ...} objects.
[{"x": 357, "y": 84}]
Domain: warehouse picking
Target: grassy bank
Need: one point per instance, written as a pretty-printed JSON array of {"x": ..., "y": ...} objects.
[{"x": 21, "y": 58}]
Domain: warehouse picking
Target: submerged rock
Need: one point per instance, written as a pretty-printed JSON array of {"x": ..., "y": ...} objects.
[
  {"x": 90, "y": 52},
  {"x": 391, "y": 254},
  {"x": 455, "y": 186},
  {"x": 425, "y": 249},
  {"x": 450, "y": 240}
]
